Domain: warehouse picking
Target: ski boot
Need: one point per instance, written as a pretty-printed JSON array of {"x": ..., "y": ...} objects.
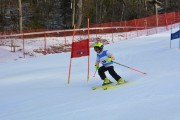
[
  {"x": 106, "y": 82},
  {"x": 120, "y": 81}
]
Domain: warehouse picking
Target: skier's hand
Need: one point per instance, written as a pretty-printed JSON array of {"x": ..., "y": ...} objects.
[
  {"x": 96, "y": 67},
  {"x": 108, "y": 59}
]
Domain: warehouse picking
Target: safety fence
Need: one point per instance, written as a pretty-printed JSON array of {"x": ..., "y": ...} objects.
[{"x": 31, "y": 43}]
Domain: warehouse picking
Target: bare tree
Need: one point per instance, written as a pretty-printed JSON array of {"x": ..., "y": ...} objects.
[
  {"x": 123, "y": 8},
  {"x": 73, "y": 7},
  {"x": 20, "y": 16},
  {"x": 80, "y": 14}
]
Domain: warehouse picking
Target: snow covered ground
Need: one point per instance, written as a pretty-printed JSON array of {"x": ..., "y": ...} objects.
[{"x": 37, "y": 89}]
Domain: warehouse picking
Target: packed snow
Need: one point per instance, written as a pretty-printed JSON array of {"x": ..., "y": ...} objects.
[{"x": 38, "y": 89}]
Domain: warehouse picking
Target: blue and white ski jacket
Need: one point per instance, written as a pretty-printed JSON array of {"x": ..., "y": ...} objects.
[{"x": 102, "y": 57}]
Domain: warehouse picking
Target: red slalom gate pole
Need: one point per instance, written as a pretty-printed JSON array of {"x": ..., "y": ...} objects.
[{"x": 130, "y": 68}]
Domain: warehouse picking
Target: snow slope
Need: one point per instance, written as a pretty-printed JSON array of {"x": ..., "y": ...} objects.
[{"x": 37, "y": 89}]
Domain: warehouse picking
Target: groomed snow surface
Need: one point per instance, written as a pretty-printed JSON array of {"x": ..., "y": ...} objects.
[{"x": 37, "y": 89}]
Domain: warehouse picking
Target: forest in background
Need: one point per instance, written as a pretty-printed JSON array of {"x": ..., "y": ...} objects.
[{"x": 16, "y": 15}]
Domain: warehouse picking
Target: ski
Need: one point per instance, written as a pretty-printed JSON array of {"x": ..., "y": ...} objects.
[
  {"x": 101, "y": 87},
  {"x": 112, "y": 86}
]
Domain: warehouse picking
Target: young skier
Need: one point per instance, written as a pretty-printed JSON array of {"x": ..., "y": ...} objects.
[{"x": 106, "y": 58}]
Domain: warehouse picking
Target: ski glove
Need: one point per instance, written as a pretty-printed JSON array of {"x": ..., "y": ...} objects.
[
  {"x": 96, "y": 67},
  {"x": 108, "y": 59}
]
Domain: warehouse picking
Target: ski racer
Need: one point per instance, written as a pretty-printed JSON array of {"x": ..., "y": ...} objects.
[{"x": 106, "y": 58}]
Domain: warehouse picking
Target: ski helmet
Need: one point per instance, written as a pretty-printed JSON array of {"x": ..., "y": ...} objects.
[{"x": 98, "y": 45}]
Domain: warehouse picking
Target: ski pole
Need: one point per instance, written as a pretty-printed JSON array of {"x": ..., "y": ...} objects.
[
  {"x": 130, "y": 68},
  {"x": 94, "y": 73}
]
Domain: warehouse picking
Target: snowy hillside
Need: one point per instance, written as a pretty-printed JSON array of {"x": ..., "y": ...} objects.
[{"x": 37, "y": 89}]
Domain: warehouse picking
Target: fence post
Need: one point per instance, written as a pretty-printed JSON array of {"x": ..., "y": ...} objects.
[
  {"x": 174, "y": 20},
  {"x": 23, "y": 44},
  {"x": 145, "y": 25},
  {"x": 166, "y": 22},
  {"x": 112, "y": 33},
  {"x": 45, "y": 43},
  {"x": 126, "y": 30},
  {"x": 64, "y": 41},
  {"x": 136, "y": 27}
]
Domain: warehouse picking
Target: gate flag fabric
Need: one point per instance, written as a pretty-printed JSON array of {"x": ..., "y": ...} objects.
[
  {"x": 80, "y": 49},
  {"x": 175, "y": 35}
]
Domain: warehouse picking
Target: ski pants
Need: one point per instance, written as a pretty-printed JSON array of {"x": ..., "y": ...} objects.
[{"x": 111, "y": 71}]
